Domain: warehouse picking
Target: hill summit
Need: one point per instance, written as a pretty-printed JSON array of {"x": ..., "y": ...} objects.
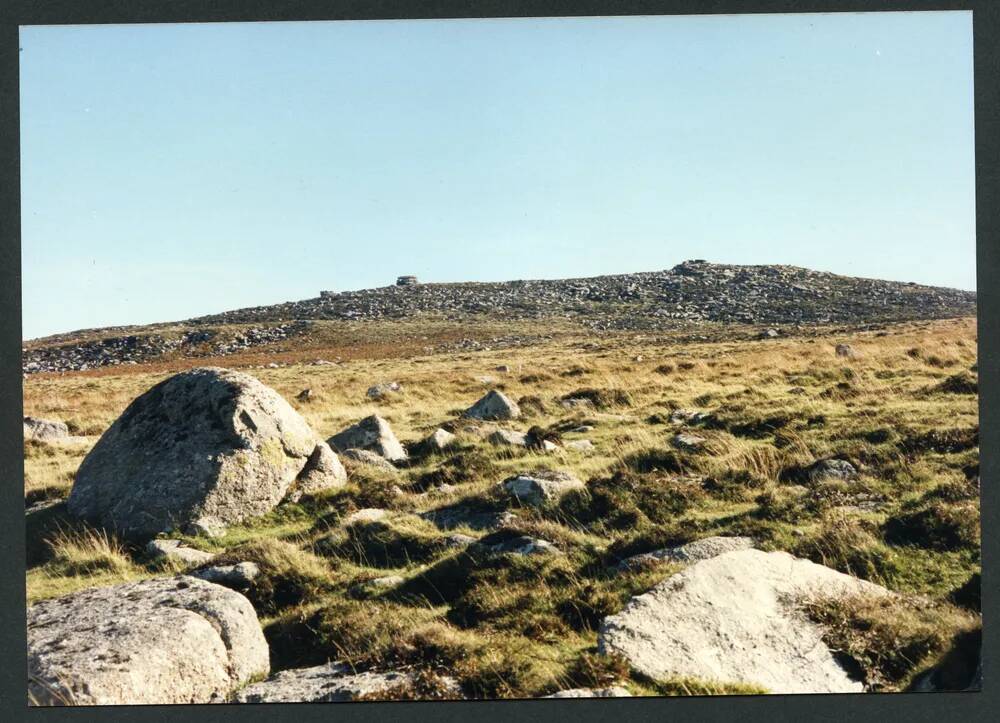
[{"x": 691, "y": 293}]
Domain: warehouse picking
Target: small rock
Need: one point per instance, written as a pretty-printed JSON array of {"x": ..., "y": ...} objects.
[
  {"x": 368, "y": 514},
  {"x": 831, "y": 469},
  {"x": 373, "y": 434},
  {"x": 845, "y": 350},
  {"x": 688, "y": 442},
  {"x": 239, "y": 576},
  {"x": 577, "y": 403},
  {"x": 383, "y": 390},
  {"x": 580, "y": 445},
  {"x": 459, "y": 540},
  {"x": 372, "y": 459},
  {"x": 541, "y": 487},
  {"x": 206, "y": 526},
  {"x": 582, "y": 429},
  {"x": 495, "y": 405},
  {"x": 615, "y": 692},
  {"x": 508, "y": 437},
  {"x": 330, "y": 683},
  {"x": 440, "y": 440},
  {"x": 323, "y": 471},
  {"x": 703, "y": 549},
  {"x": 174, "y": 550},
  {"x": 503, "y": 369},
  {"x": 522, "y": 545},
  {"x": 305, "y": 395},
  {"x": 44, "y": 430}
]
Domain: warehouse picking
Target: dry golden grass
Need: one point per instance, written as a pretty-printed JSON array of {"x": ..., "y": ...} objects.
[{"x": 776, "y": 406}]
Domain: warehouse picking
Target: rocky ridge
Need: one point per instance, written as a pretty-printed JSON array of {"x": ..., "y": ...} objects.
[{"x": 692, "y": 292}]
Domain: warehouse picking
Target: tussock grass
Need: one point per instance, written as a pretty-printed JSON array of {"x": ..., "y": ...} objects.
[{"x": 519, "y": 626}]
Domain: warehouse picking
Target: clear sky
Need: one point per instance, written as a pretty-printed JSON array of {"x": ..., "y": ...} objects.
[{"x": 169, "y": 171}]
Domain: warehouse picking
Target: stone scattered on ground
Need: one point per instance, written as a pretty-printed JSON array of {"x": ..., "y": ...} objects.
[
  {"x": 439, "y": 440},
  {"x": 305, "y": 395},
  {"x": 733, "y": 618},
  {"x": 688, "y": 442},
  {"x": 687, "y": 416},
  {"x": 703, "y": 549},
  {"x": 508, "y": 437},
  {"x": 373, "y": 434},
  {"x": 576, "y": 403},
  {"x": 372, "y": 459},
  {"x": 521, "y": 545},
  {"x": 614, "y": 692},
  {"x": 159, "y": 641},
  {"x": 580, "y": 445},
  {"x": 206, "y": 442},
  {"x": 494, "y": 406},
  {"x": 826, "y": 469},
  {"x": 44, "y": 430},
  {"x": 178, "y": 552},
  {"x": 383, "y": 390},
  {"x": 541, "y": 487},
  {"x": 368, "y": 514},
  {"x": 845, "y": 350},
  {"x": 582, "y": 429},
  {"x": 206, "y": 526},
  {"x": 323, "y": 471},
  {"x": 459, "y": 540},
  {"x": 239, "y": 576},
  {"x": 330, "y": 683}
]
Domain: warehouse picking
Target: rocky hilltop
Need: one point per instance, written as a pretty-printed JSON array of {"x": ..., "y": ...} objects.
[{"x": 691, "y": 292}]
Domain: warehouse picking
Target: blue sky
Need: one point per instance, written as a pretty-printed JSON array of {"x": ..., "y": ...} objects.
[{"x": 169, "y": 171}]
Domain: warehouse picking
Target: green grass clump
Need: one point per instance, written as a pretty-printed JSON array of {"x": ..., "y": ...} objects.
[{"x": 890, "y": 638}]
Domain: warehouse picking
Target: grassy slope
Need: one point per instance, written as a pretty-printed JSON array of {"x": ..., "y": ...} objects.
[{"x": 512, "y": 627}]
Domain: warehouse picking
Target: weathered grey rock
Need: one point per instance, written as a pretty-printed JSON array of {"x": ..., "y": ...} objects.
[
  {"x": 686, "y": 416},
  {"x": 239, "y": 576},
  {"x": 459, "y": 540},
  {"x": 703, "y": 549},
  {"x": 305, "y": 395},
  {"x": 582, "y": 429},
  {"x": 439, "y": 440},
  {"x": 323, "y": 471},
  {"x": 373, "y": 434},
  {"x": 174, "y": 550},
  {"x": 44, "y": 430},
  {"x": 508, "y": 437},
  {"x": 206, "y": 526},
  {"x": 368, "y": 514},
  {"x": 328, "y": 683},
  {"x": 614, "y": 692},
  {"x": 206, "y": 442},
  {"x": 580, "y": 445},
  {"x": 522, "y": 545},
  {"x": 373, "y": 459},
  {"x": 495, "y": 405},
  {"x": 383, "y": 390},
  {"x": 541, "y": 487},
  {"x": 688, "y": 442},
  {"x": 577, "y": 403},
  {"x": 161, "y": 641},
  {"x": 769, "y": 334},
  {"x": 844, "y": 350},
  {"x": 826, "y": 469},
  {"x": 734, "y": 618}
]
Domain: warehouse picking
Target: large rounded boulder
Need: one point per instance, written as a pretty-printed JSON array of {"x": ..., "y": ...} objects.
[
  {"x": 206, "y": 444},
  {"x": 167, "y": 640}
]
